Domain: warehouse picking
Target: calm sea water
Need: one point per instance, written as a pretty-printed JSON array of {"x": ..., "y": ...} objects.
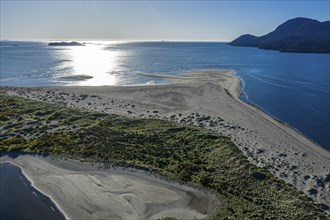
[
  {"x": 289, "y": 86},
  {"x": 19, "y": 200}
]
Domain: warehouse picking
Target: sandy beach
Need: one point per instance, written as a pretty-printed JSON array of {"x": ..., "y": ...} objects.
[
  {"x": 81, "y": 191},
  {"x": 197, "y": 99}
]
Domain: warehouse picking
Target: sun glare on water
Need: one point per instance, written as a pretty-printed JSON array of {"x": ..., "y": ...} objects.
[{"x": 94, "y": 63}]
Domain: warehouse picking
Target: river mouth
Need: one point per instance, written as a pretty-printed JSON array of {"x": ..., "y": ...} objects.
[{"x": 19, "y": 200}]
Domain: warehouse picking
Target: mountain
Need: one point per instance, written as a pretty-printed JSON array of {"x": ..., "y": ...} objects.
[
  {"x": 73, "y": 43},
  {"x": 296, "y": 35}
]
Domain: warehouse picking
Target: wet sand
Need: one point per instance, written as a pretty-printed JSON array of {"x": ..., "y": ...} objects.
[
  {"x": 83, "y": 191},
  {"x": 19, "y": 200},
  {"x": 208, "y": 99}
]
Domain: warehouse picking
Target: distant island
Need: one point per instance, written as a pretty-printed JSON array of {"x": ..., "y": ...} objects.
[
  {"x": 73, "y": 43},
  {"x": 301, "y": 35}
]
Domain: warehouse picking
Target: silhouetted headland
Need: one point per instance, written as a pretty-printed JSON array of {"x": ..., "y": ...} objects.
[{"x": 302, "y": 35}]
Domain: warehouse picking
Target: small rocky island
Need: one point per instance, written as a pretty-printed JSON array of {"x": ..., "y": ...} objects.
[
  {"x": 301, "y": 35},
  {"x": 73, "y": 43}
]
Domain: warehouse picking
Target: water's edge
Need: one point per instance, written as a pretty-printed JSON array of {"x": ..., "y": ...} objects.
[
  {"x": 39, "y": 193},
  {"x": 244, "y": 98}
]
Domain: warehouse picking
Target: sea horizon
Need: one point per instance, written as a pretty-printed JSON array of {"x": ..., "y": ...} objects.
[
  {"x": 121, "y": 64},
  {"x": 164, "y": 110}
]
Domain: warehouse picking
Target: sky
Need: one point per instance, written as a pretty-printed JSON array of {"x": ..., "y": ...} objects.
[{"x": 150, "y": 20}]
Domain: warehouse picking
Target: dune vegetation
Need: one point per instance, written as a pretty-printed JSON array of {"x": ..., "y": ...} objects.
[{"x": 193, "y": 156}]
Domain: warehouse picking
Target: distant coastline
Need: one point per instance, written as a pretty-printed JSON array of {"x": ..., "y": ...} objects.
[{"x": 298, "y": 35}]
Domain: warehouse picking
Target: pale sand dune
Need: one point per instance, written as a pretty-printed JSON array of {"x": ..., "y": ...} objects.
[
  {"x": 263, "y": 140},
  {"x": 85, "y": 192}
]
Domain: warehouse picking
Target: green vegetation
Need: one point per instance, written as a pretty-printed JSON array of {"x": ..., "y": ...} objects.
[{"x": 201, "y": 158}]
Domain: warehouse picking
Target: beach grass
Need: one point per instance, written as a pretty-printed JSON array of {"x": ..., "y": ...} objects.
[{"x": 198, "y": 157}]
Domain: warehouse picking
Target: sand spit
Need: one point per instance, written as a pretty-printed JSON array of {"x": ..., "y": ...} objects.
[
  {"x": 74, "y": 78},
  {"x": 82, "y": 191},
  {"x": 208, "y": 99}
]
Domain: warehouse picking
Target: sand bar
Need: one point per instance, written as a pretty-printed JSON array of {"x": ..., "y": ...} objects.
[{"x": 215, "y": 93}]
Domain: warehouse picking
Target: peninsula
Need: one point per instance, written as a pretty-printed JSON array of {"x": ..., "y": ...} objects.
[
  {"x": 121, "y": 110},
  {"x": 301, "y": 35},
  {"x": 196, "y": 131}
]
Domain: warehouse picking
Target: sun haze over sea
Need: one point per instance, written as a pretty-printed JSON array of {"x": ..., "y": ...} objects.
[
  {"x": 149, "y": 20},
  {"x": 164, "y": 110}
]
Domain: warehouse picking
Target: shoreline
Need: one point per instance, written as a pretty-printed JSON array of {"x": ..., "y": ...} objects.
[
  {"x": 173, "y": 199},
  {"x": 274, "y": 118},
  {"x": 32, "y": 184},
  {"x": 281, "y": 124},
  {"x": 265, "y": 141},
  {"x": 257, "y": 107}
]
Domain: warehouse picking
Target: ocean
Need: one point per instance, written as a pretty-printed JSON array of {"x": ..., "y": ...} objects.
[{"x": 291, "y": 87}]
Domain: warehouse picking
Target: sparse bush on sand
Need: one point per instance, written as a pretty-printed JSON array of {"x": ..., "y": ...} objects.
[{"x": 198, "y": 157}]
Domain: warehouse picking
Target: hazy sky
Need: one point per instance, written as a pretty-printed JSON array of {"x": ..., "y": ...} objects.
[{"x": 150, "y": 20}]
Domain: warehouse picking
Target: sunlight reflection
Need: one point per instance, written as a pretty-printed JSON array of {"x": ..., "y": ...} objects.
[{"x": 92, "y": 60}]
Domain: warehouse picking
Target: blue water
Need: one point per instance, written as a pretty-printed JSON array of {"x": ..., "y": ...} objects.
[
  {"x": 291, "y": 87},
  {"x": 19, "y": 200}
]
